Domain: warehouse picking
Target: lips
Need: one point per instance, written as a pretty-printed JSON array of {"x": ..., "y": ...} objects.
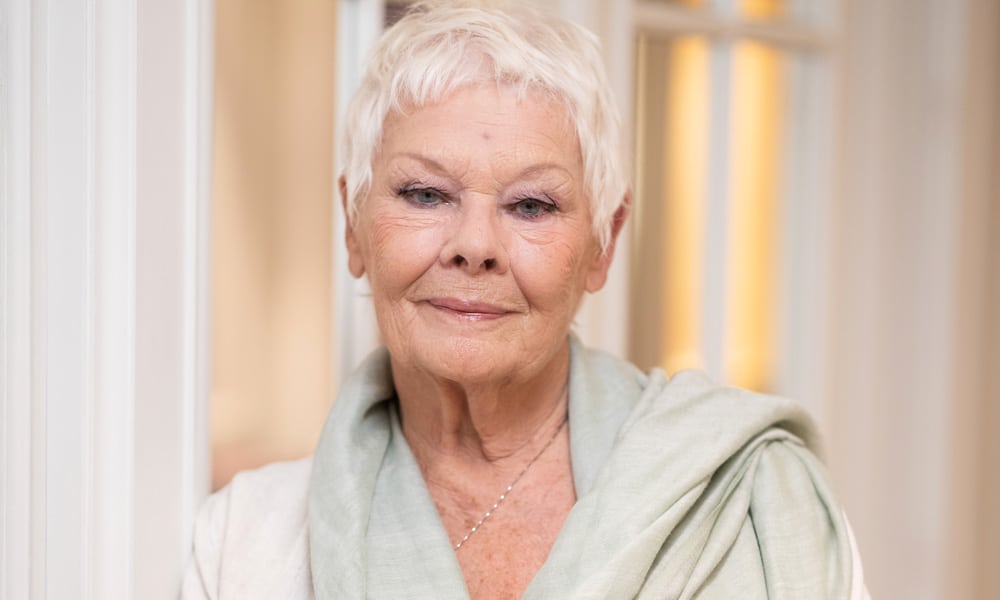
[{"x": 469, "y": 309}]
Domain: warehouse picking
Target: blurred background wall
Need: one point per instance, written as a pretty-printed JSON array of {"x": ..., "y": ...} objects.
[
  {"x": 816, "y": 208},
  {"x": 271, "y": 234},
  {"x": 913, "y": 352}
]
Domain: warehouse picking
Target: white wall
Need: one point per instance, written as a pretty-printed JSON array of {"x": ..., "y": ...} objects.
[{"x": 908, "y": 179}]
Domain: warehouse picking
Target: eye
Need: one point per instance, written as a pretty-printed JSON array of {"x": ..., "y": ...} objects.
[
  {"x": 533, "y": 208},
  {"x": 424, "y": 197}
]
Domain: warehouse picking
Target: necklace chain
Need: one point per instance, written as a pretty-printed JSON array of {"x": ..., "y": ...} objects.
[{"x": 504, "y": 494}]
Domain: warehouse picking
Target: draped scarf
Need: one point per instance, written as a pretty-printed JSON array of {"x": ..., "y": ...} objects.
[{"x": 684, "y": 490}]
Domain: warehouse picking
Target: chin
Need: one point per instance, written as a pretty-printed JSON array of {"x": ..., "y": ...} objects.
[
  {"x": 468, "y": 360},
  {"x": 480, "y": 360}
]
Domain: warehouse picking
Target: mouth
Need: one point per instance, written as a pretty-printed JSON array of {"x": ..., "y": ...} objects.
[{"x": 475, "y": 311}]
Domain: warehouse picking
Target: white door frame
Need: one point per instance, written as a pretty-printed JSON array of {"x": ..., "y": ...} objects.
[{"x": 104, "y": 129}]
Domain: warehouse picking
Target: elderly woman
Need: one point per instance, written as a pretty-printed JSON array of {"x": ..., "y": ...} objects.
[{"x": 483, "y": 452}]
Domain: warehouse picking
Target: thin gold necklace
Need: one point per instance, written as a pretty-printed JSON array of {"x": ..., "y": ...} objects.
[{"x": 506, "y": 492}]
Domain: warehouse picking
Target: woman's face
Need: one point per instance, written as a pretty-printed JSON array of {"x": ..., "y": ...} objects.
[{"x": 476, "y": 235}]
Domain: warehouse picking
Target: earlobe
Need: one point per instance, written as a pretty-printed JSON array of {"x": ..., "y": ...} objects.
[
  {"x": 598, "y": 273},
  {"x": 355, "y": 261}
]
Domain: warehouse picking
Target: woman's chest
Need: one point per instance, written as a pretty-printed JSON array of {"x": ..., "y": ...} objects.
[{"x": 505, "y": 552}]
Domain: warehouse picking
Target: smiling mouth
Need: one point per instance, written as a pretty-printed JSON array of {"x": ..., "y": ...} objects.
[{"x": 476, "y": 311}]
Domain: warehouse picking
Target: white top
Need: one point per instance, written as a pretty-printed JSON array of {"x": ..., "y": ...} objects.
[{"x": 251, "y": 539}]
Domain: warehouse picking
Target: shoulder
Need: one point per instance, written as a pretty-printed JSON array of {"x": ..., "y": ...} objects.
[
  {"x": 801, "y": 536},
  {"x": 271, "y": 496},
  {"x": 251, "y": 537}
]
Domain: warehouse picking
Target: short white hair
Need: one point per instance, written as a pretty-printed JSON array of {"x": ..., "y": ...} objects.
[{"x": 440, "y": 46}]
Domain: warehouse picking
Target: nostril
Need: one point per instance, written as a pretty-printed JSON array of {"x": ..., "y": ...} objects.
[{"x": 489, "y": 263}]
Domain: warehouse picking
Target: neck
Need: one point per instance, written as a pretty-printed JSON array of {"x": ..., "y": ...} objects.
[{"x": 491, "y": 421}]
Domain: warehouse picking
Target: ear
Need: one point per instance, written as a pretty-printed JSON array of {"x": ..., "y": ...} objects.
[
  {"x": 598, "y": 273},
  {"x": 355, "y": 261}
]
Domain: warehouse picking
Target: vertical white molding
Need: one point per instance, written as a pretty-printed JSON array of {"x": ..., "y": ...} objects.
[
  {"x": 112, "y": 161},
  {"x": 602, "y": 321},
  {"x": 37, "y": 32},
  {"x": 717, "y": 203},
  {"x": 805, "y": 270},
  {"x": 65, "y": 161},
  {"x": 81, "y": 371},
  {"x": 173, "y": 107},
  {"x": 199, "y": 87},
  {"x": 360, "y": 22},
  {"x": 717, "y": 213},
  {"x": 16, "y": 315}
]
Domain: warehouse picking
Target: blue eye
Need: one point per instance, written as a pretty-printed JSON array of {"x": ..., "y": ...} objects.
[
  {"x": 426, "y": 197},
  {"x": 423, "y": 197},
  {"x": 532, "y": 208}
]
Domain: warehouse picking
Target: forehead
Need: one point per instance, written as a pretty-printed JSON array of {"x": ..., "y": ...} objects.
[{"x": 485, "y": 120}]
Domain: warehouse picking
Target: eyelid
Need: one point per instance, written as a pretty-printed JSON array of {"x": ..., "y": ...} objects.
[
  {"x": 544, "y": 207},
  {"x": 408, "y": 190},
  {"x": 417, "y": 186},
  {"x": 541, "y": 198}
]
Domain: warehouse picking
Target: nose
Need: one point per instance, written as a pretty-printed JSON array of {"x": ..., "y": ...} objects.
[{"x": 474, "y": 243}]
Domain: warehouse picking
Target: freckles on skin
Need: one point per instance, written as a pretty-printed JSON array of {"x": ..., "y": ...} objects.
[
  {"x": 387, "y": 273},
  {"x": 566, "y": 256},
  {"x": 386, "y": 230},
  {"x": 562, "y": 260}
]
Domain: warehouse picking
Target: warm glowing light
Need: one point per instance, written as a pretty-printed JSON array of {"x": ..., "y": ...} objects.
[
  {"x": 763, "y": 9},
  {"x": 686, "y": 135},
  {"x": 758, "y": 82}
]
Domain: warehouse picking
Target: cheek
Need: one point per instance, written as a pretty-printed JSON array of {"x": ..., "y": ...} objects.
[
  {"x": 551, "y": 274},
  {"x": 400, "y": 248}
]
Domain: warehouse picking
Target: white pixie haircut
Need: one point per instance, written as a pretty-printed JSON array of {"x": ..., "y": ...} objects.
[{"x": 443, "y": 45}]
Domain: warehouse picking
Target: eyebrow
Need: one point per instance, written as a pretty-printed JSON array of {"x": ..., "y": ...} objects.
[
  {"x": 434, "y": 165},
  {"x": 425, "y": 160}
]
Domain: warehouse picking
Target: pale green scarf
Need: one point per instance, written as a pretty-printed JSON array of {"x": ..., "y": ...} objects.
[{"x": 685, "y": 490}]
